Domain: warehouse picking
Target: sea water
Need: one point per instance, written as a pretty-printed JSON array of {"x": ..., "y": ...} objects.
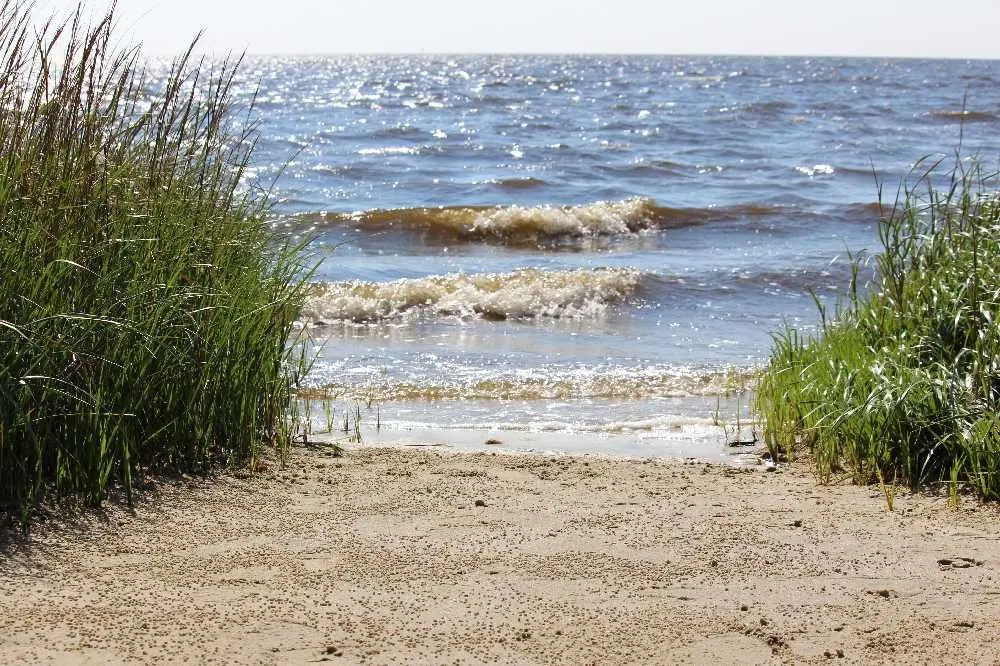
[{"x": 587, "y": 253}]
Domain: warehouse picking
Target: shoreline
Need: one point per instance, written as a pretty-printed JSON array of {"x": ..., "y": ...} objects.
[
  {"x": 681, "y": 445},
  {"x": 391, "y": 555}
]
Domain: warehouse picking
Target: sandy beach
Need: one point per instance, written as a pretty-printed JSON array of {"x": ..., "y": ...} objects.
[{"x": 420, "y": 556}]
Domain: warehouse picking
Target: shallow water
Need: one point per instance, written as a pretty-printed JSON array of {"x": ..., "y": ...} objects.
[{"x": 575, "y": 245}]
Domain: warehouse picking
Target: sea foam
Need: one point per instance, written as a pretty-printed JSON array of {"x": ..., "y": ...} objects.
[{"x": 522, "y": 294}]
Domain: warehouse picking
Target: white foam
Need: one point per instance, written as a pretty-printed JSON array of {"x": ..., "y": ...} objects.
[
  {"x": 390, "y": 150},
  {"x": 816, "y": 170},
  {"x": 526, "y": 293},
  {"x": 601, "y": 218}
]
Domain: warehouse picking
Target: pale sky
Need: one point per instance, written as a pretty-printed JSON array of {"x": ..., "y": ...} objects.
[{"x": 917, "y": 28}]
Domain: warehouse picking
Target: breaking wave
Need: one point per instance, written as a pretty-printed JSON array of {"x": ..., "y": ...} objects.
[
  {"x": 596, "y": 384},
  {"x": 536, "y": 225},
  {"x": 523, "y": 294}
]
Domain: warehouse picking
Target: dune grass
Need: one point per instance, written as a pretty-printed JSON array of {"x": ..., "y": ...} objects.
[
  {"x": 146, "y": 309},
  {"x": 902, "y": 386}
]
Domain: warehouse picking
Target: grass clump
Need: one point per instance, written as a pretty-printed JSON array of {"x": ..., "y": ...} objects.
[
  {"x": 903, "y": 386},
  {"x": 145, "y": 308}
]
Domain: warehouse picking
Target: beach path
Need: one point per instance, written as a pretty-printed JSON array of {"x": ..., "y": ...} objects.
[{"x": 417, "y": 556}]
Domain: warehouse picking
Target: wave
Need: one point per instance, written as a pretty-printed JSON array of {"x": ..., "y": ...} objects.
[
  {"x": 355, "y": 171},
  {"x": 399, "y": 132},
  {"x": 964, "y": 116},
  {"x": 598, "y": 384},
  {"x": 816, "y": 170},
  {"x": 980, "y": 78},
  {"x": 525, "y": 183},
  {"x": 866, "y": 211},
  {"x": 523, "y": 294},
  {"x": 865, "y": 172},
  {"x": 538, "y": 225},
  {"x": 834, "y": 276},
  {"x": 389, "y": 150},
  {"x": 768, "y": 108},
  {"x": 753, "y": 281},
  {"x": 654, "y": 168}
]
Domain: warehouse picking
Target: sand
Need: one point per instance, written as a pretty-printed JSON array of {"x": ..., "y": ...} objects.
[{"x": 417, "y": 556}]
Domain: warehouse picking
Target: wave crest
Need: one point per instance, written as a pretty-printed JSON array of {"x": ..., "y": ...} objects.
[
  {"x": 519, "y": 224},
  {"x": 522, "y": 294},
  {"x": 538, "y": 226}
]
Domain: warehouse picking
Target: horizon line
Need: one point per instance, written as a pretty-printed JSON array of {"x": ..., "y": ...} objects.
[{"x": 634, "y": 54}]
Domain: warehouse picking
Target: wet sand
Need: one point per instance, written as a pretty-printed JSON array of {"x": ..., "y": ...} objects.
[{"x": 414, "y": 556}]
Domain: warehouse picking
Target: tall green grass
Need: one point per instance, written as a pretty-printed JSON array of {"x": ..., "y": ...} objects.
[
  {"x": 145, "y": 308},
  {"x": 904, "y": 385}
]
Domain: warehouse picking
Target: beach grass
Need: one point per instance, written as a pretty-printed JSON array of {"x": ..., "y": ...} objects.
[
  {"x": 146, "y": 309},
  {"x": 902, "y": 383}
]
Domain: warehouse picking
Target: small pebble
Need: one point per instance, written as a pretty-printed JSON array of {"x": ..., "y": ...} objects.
[{"x": 480, "y": 502}]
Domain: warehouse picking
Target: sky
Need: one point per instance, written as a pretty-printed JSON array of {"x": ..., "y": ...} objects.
[{"x": 907, "y": 28}]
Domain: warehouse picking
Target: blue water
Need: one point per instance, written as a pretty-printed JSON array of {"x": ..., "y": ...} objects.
[{"x": 677, "y": 211}]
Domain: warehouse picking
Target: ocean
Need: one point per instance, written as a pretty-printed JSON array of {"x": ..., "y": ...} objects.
[{"x": 586, "y": 253}]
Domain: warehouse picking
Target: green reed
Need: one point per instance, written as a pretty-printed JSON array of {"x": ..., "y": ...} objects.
[
  {"x": 903, "y": 384},
  {"x": 146, "y": 311}
]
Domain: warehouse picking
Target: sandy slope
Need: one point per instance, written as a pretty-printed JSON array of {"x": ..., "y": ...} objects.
[{"x": 385, "y": 557}]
